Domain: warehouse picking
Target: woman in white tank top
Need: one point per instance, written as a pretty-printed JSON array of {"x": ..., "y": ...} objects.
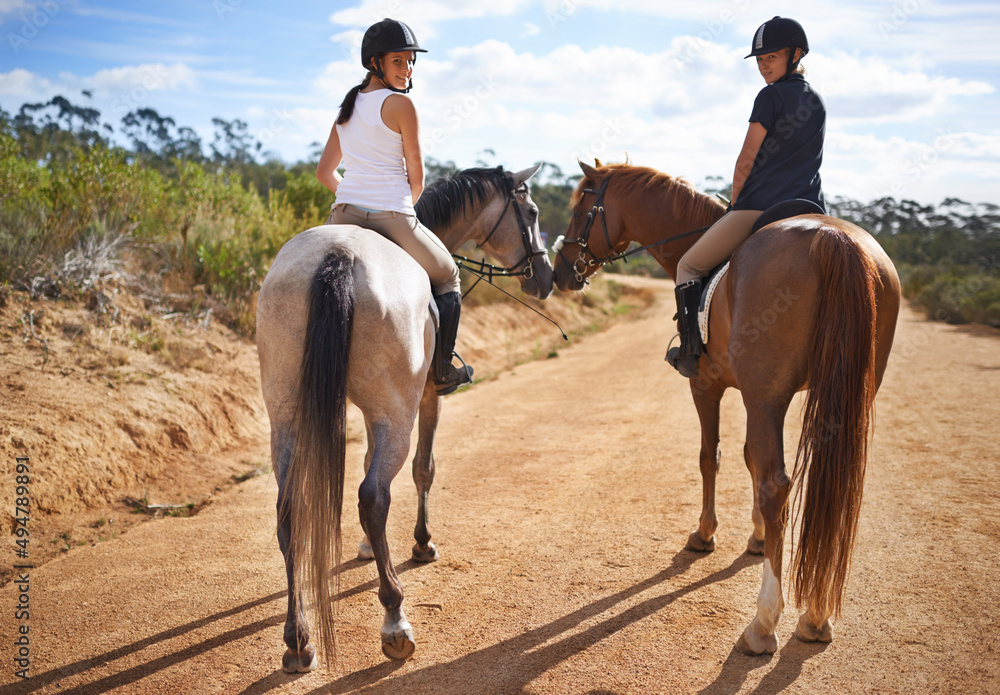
[{"x": 376, "y": 137}]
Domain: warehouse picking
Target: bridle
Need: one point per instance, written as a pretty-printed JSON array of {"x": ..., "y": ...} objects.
[
  {"x": 597, "y": 210},
  {"x": 488, "y": 270},
  {"x": 581, "y": 264}
]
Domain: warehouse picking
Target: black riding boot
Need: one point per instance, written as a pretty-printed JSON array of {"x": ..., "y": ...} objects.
[
  {"x": 685, "y": 358},
  {"x": 447, "y": 377}
]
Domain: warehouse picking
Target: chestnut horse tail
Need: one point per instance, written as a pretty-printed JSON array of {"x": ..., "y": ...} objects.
[
  {"x": 833, "y": 448},
  {"x": 316, "y": 474}
]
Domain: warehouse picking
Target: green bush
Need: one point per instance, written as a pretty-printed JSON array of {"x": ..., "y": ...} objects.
[{"x": 961, "y": 295}]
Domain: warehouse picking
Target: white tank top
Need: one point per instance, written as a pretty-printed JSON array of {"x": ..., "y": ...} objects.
[{"x": 375, "y": 171}]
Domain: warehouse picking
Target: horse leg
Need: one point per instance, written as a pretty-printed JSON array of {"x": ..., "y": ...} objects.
[
  {"x": 755, "y": 545},
  {"x": 707, "y": 403},
  {"x": 390, "y": 446},
  {"x": 423, "y": 471},
  {"x": 365, "y": 546},
  {"x": 300, "y": 656},
  {"x": 764, "y": 445}
]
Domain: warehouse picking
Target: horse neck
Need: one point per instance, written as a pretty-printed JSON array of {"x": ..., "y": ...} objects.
[
  {"x": 649, "y": 216},
  {"x": 471, "y": 225}
]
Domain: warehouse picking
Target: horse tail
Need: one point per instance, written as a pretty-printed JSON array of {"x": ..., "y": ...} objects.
[
  {"x": 833, "y": 448},
  {"x": 316, "y": 475}
]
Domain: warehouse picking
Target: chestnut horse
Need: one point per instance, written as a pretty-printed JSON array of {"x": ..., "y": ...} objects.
[
  {"x": 344, "y": 313},
  {"x": 808, "y": 302}
]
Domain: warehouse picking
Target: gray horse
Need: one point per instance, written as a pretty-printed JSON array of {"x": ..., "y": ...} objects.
[{"x": 346, "y": 314}]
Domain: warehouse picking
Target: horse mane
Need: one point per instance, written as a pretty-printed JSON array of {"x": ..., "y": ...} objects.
[
  {"x": 687, "y": 200},
  {"x": 445, "y": 199}
]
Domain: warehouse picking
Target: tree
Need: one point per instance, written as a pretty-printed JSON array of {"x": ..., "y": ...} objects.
[
  {"x": 52, "y": 129},
  {"x": 157, "y": 141}
]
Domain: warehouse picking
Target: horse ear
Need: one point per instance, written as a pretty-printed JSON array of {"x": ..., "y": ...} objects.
[
  {"x": 589, "y": 171},
  {"x": 525, "y": 174},
  {"x": 598, "y": 162}
]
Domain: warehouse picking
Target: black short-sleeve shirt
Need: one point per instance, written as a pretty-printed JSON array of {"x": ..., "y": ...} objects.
[{"x": 787, "y": 164}]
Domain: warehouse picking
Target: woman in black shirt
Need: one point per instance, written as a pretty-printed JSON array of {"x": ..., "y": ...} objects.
[{"x": 779, "y": 161}]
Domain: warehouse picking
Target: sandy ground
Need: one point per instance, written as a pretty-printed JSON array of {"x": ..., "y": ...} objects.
[{"x": 565, "y": 492}]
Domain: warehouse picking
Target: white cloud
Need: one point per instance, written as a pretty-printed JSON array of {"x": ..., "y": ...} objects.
[
  {"x": 20, "y": 85},
  {"x": 869, "y": 90},
  {"x": 150, "y": 77}
]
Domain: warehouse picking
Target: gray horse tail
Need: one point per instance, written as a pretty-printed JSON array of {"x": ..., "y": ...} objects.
[{"x": 316, "y": 475}]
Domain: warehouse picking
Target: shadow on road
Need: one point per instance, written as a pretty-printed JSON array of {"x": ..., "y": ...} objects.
[
  {"x": 136, "y": 673},
  {"x": 738, "y": 665},
  {"x": 515, "y": 662}
]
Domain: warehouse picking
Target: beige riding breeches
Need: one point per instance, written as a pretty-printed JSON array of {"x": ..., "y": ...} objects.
[
  {"x": 716, "y": 245},
  {"x": 407, "y": 233}
]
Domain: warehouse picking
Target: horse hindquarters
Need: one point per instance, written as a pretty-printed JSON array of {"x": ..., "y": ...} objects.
[
  {"x": 314, "y": 489},
  {"x": 833, "y": 447}
]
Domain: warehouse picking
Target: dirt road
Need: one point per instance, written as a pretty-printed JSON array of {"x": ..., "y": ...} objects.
[{"x": 566, "y": 490}]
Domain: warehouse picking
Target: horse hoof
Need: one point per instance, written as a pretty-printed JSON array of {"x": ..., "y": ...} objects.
[
  {"x": 299, "y": 662},
  {"x": 426, "y": 553},
  {"x": 397, "y": 636},
  {"x": 399, "y": 645},
  {"x": 807, "y": 632},
  {"x": 699, "y": 545},
  {"x": 365, "y": 551},
  {"x": 755, "y": 547},
  {"x": 752, "y": 644}
]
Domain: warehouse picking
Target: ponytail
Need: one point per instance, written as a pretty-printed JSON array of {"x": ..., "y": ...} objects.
[{"x": 347, "y": 105}]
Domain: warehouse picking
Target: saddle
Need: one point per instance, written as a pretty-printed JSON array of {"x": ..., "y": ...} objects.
[{"x": 778, "y": 211}]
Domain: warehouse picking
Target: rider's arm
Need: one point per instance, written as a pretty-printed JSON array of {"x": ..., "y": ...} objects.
[
  {"x": 399, "y": 114},
  {"x": 326, "y": 170},
  {"x": 744, "y": 163}
]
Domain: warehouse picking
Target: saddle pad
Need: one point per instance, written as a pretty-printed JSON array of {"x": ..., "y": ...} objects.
[{"x": 706, "y": 301}]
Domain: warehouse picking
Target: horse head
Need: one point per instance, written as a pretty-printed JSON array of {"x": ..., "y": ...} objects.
[
  {"x": 594, "y": 233},
  {"x": 515, "y": 238}
]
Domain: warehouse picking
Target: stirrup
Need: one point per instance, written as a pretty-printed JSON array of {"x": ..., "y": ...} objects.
[
  {"x": 459, "y": 376},
  {"x": 666, "y": 357},
  {"x": 682, "y": 363}
]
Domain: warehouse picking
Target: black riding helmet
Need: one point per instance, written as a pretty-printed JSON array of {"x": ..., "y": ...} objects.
[
  {"x": 387, "y": 36},
  {"x": 778, "y": 33}
]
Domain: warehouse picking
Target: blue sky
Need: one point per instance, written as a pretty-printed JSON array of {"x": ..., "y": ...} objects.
[{"x": 911, "y": 86}]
